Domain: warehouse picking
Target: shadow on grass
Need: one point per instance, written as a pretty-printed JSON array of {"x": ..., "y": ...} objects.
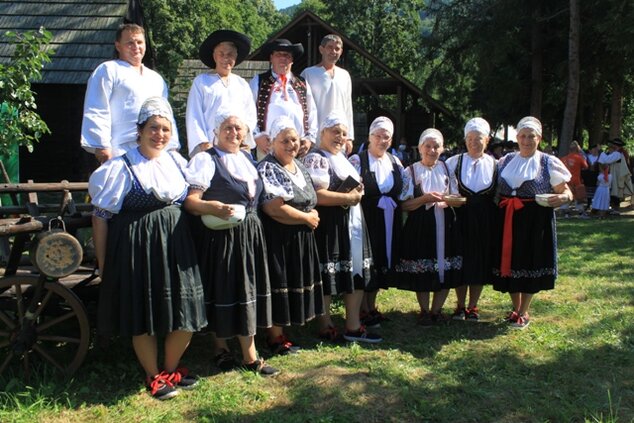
[{"x": 502, "y": 387}]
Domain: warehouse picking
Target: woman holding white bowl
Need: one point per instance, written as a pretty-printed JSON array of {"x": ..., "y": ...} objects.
[
  {"x": 233, "y": 260},
  {"x": 526, "y": 253}
]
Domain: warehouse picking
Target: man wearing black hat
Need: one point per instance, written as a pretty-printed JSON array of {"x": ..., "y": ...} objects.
[
  {"x": 210, "y": 92},
  {"x": 278, "y": 92},
  {"x": 621, "y": 175}
]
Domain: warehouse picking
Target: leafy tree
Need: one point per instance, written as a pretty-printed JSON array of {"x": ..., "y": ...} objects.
[
  {"x": 178, "y": 27},
  {"x": 20, "y": 124}
]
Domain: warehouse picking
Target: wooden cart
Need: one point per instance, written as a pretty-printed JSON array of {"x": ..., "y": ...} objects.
[{"x": 43, "y": 316}]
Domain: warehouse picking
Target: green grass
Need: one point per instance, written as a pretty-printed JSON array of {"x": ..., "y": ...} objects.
[{"x": 575, "y": 363}]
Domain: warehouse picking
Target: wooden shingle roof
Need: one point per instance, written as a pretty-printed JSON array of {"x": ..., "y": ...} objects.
[{"x": 83, "y": 33}]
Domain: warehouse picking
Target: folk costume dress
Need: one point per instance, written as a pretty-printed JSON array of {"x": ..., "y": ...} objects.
[
  {"x": 151, "y": 282},
  {"x": 525, "y": 255},
  {"x": 477, "y": 181},
  {"x": 431, "y": 258},
  {"x": 601, "y": 199},
  {"x": 383, "y": 183},
  {"x": 296, "y": 288},
  {"x": 233, "y": 261},
  {"x": 342, "y": 238}
]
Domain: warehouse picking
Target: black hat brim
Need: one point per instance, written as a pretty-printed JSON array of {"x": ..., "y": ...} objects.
[
  {"x": 241, "y": 41},
  {"x": 295, "y": 49}
]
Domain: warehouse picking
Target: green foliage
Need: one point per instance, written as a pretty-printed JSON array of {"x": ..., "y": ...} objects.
[
  {"x": 20, "y": 125},
  {"x": 178, "y": 27}
]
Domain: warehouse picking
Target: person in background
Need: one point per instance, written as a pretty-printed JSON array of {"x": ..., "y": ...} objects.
[
  {"x": 476, "y": 176},
  {"x": 114, "y": 94},
  {"x": 382, "y": 176},
  {"x": 331, "y": 85},
  {"x": 576, "y": 162},
  {"x": 589, "y": 175},
  {"x": 621, "y": 175},
  {"x": 221, "y": 51},
  {"x": 290, "y": 220},
  {"x": 525, "y": 255},
  {"x": 233, "y": 260},
  {"x": 601, "y": 199},
  {"x": 150, "y": 282},
  {"x": 403, "y": 152},
  {"x": 279, "y": 92},
  {"x": 342, "y": 238},
  {"x": 430, "y": 259}
]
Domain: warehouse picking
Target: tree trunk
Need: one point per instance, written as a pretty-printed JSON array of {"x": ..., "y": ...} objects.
[
  {"x": 616, "y": 108},
  {"x": 597, "y": 115},
  {"x": 572, "y": 98},
  {"x": 537, "y": 62}
]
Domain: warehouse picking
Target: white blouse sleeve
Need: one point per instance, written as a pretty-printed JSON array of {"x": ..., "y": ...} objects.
[
  {"x": 276, "y": 183},
  {"x": 408, "y": 184},
  {"x": 318, "y": 168},
  {"x": 109, "y": 184},
  {"x": 200, "y": 171},
  {"x": 558, "y": 171}
]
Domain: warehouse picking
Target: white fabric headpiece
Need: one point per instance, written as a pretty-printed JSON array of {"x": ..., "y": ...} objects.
[
  {"x": 382, "y": 122},
  {"x": 334, "y": 118},
  {"x": 155, "y": 106},
  {"x": 279, "y": 125},
  {"x": 479, "y": 125},
  {"x": 530, "y": 122},
  {"x": 224, "y": 114},
  {"x": 431, "y": 133}
]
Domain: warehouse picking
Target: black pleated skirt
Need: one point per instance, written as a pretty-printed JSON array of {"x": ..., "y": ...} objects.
[
  {"x": 534, "y": 253},
  {"x": 151, "y": 282},
  {"x": 375, "y": 222},
  {"x": 235, "y": 275},
  {"x": 296, "y": 288},
  {"x": 335, "y": 252},
  {"x": 477, "y": 222},
  {"x": 417, "y": 268}
]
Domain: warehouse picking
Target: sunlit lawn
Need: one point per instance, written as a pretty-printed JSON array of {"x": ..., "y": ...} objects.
[{"x": 574, "y": 363}]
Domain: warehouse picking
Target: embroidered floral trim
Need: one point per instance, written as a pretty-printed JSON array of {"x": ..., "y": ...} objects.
[
  {"x": 428, "y": 265},
  {"x": 305, "y": 289},
  {"x": 102, "y": 213},
  {"x": 529, "y": 274},
  {"x": 333, "y": 267}
]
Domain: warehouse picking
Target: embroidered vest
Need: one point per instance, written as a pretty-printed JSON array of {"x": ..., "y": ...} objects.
[{"x": 265, "y": 89}]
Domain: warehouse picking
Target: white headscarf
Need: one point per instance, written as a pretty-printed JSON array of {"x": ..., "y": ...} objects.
[
  {"x": 382, "y": 122},
  {"x": 224, "y": 114},
  {"x": 433, "y": 134},
  {"x": 479, "y": 125},
  {"x": 281, "y": 124},
  {"x": 530, "y": 122},
  {"x": 155, "y": 106}
]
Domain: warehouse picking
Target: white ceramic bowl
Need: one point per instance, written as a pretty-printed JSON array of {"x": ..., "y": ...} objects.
[
  {"x": 454, "y": 200},
  {"x": 216, "y": 223},
  {"x": 542, "y": 199}
]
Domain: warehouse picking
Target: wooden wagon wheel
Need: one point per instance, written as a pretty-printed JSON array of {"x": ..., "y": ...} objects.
[{"x": 56, "y": 332}]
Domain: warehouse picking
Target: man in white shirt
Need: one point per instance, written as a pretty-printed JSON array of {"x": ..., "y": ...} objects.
[
  {"x": 114, "y": 95},
  {"x": 278, "y": 92},
  {"x": 621, "y": 185},
  {"x": 210, "y": 92},
  {"x": 331, "y": 85}
]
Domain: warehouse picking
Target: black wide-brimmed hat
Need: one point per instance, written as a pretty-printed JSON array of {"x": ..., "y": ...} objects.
[
  {"x": 241, "y": 41},
  {"x": 282, "y": 44},
  {"x": 617, "y": 141}
]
